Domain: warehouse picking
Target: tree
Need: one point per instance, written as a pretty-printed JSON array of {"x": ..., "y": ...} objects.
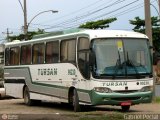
[
  {"x": 98, "y": 24},
  {"x": 30, "y": 34},
  {"x": 140, "y": 27}
]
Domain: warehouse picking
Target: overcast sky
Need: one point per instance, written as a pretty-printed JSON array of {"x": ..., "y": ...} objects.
[{"x": 71, "y": 13}]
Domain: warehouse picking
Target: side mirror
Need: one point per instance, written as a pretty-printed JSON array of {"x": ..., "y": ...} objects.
[
  {"x": 92, "y": 58},
  {"x": 150, "y": 47}
]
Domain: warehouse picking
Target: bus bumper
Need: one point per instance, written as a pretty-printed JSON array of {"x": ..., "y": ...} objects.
[
  {"x": 2, "y": 93},
  {"x": 119, "y": 98}
]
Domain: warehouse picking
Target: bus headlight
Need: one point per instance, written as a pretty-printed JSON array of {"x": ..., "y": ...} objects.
[
  {"x": 146, "y": 89},
  {"x": 102, "y": 90}
]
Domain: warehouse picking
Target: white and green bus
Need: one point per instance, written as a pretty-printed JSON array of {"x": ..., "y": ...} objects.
[{"x": 89, "y": 67}]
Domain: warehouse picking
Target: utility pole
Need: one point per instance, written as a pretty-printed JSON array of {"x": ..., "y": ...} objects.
[
  {"x": 148, "y": 32},
  {"x": 8, "y": 34},
  {"x": 25, "y": 20},
  {"x": 148, "y": 25},
  {"x": 26, "y": 24}
]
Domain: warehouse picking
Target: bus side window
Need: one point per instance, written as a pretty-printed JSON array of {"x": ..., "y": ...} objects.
[
  {"x": 14, "y": 55},
  {"x": 83, "y": 56},
  {"x": 7, "y": 56},
  {"x": 83, "y": 43},
  {"x": 52, "y": 52},
  {"x": 38, "y": 53},
  {"x": 26, "y": 54},
  {"x": 68, "y": 51},
  {"x": 1, "y": 54}
]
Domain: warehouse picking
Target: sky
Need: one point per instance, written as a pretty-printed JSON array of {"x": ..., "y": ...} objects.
[{"x": 71, "y": 14}]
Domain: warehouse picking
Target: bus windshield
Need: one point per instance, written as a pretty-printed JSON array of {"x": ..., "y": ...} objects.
[{"x": 121, "y": 57}]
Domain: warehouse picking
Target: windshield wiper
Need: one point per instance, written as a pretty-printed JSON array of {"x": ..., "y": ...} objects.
[
  {"x": 130, "y": 63},
  {"x": 126, "y": 63},
  {"x": 117, "y": 66}
]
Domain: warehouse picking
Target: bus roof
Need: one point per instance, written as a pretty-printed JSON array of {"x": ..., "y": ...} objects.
[
  {"x": 90, "y": 33},
  {"x": 114, "y": 34},
  {"x": 93, "y": 33}
]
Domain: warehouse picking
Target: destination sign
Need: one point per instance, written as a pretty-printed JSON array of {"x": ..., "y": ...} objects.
[
  {"x": 115, "y": 84},
  {"x": 47, "y": 71}
]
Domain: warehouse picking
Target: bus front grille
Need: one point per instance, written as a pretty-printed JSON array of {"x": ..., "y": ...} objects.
[
  {"x": 126, "y": 91},
  {"x": 125, "y": 98}
]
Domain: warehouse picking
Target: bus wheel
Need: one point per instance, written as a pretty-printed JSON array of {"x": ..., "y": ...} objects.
[
  {"x": 27, "y": 99},
  {"x": 125, "y": 108},
  {"x": 75, "y": 98}
]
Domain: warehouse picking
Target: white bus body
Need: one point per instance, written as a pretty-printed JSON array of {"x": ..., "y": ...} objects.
[
  {"x": 95, "y": 67},
  {"x": 2, "y": 89}
]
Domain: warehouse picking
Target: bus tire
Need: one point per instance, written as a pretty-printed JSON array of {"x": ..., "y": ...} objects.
[
  {"x": 75, "y": 98},
  {"x": 27, "y": 99},
  {"x": 125, "y": 108}
]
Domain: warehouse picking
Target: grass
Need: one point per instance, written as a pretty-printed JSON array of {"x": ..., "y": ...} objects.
[
  {"x": 95, "y": 115},
  {"x": 103, "y": 118},
  {"x": 157, "y": 99},
  {"x": 114, "y": 116}
]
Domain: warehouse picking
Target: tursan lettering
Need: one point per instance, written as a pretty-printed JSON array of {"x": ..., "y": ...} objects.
[
  {"x": 115, "y": 84},
  {"x": 47, "y": 71}
]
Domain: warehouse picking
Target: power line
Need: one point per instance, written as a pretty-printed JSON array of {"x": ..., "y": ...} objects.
[
  {"x": 115, "y": 10},
  {"x": 116, "y": 15},
  {"x": 71, "y": 25},
  {"x": 102, "y": 14},
  {"x": 70, "y": 14},
  {"x": 2, "y": 39},
  {"x": 120, "y": 13},
  {"x": 131, "y": 9},
  {"x": 86, "y": 15},
  {"x": 74, "y": 12},
  {"x": 128, "y": 10},
  {"x": 91, "y": 13}
]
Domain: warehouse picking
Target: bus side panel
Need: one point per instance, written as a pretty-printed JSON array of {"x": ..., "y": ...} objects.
[
  {"x": 16, "y": 90},
  {"x": 14, "y": 81},
  {"x": 17, "y": 77},
  {"x": 47, "y": 82}
]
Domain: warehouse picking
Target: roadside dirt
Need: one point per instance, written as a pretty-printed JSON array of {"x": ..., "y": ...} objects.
[{"x": 16, "y": 108}]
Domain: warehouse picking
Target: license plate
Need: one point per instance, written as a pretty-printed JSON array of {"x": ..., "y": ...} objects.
[{"x": 126, "y": 103}]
